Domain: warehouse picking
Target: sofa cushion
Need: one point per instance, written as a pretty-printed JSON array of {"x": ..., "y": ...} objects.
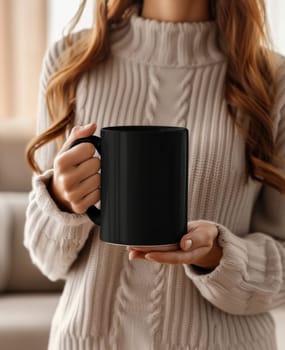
[
  {"x": 17, "y": 272},
  {"x": 25, "y": 320},
  {"x": 5, "y": 250},
  {"x": 15, "y": 174}
]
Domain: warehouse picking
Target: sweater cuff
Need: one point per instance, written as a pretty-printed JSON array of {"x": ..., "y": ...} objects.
[
  {"x": 47, "y": 205},
  {"x": 227, "y": 278},
  {"x": 234, "y": 252}
]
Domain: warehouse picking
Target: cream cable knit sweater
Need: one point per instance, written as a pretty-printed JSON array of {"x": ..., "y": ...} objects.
[{"x": 165, "y": 74}]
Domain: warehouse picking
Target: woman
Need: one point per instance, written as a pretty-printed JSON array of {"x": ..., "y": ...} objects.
[{"x": 199, "y": 64}]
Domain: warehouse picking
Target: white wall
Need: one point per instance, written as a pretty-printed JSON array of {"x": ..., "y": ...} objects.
[
  {"x": 60, "y": 13},
  {"x": 276, "y": 16}
]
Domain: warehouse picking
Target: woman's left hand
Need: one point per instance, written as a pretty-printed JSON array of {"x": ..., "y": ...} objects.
[{"x": 199, "y": 246}]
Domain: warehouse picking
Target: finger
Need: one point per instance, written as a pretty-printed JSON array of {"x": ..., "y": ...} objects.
[
  {"x": 176, "y": 257},
  {"x": 76, "y": 155},
  {"x": 192, "y": 225},
  {"x": 133, "y": 254},
  {"x": 90, "y": 184},
  {"x": 186, "y": 242},
  {"x": 78, "y": 132},
  {"x": 89, "y": 200},
  {"x": 193, "y": 240},
  {"x": 87, "y": 168},
  {"x": 157, "y": 248},
  {"x": 83, "y": 189},
  {"x": 198, "y": 237}
]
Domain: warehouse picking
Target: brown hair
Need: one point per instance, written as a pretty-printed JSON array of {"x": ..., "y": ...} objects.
[{"x": 250, "y": 86}]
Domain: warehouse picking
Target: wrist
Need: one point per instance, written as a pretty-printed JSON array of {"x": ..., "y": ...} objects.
[{"x": 56, "y": 196}]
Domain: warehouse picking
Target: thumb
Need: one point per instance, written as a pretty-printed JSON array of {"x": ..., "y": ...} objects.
[{"x": 79, "y": 132}]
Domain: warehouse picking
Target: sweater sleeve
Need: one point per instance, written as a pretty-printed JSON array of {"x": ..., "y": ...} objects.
[
  {"x": 53, "y": 237},
  {"x": 250, "y": 278}
]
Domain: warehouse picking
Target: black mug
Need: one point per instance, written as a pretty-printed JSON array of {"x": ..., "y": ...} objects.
[{"x": 144, "y": 184}]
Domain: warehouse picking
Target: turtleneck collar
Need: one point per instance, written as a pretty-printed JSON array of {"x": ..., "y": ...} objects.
[{"x": 167, "y": 44}]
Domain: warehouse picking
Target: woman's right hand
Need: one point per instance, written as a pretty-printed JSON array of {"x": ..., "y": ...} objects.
[{"x": 75, "y": 182}]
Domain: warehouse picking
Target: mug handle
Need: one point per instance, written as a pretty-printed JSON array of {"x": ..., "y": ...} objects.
[{"x": 93, "y": 212}]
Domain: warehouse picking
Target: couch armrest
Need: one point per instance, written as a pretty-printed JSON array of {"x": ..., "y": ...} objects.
[{"x": 17, "y": 272}]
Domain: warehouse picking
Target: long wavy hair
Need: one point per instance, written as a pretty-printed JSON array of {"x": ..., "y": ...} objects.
[{"x": 250, "y": 86}]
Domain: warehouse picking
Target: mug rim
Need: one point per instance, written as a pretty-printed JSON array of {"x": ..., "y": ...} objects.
[{"x": 143, "y": 128}]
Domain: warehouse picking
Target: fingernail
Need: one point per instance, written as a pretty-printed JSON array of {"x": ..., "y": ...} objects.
[
  {"x": 76, "y": 127},
  {"x": 131, "y": 255},
  {"x": 188, "y": 244}
]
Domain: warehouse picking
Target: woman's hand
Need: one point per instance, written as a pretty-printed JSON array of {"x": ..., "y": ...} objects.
[
  {"x": 75, "y": 183},
  {"x": 198, "y": 247}
]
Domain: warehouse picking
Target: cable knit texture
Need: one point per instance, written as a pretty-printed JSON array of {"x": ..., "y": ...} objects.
[{"x": 161, "y": 73}]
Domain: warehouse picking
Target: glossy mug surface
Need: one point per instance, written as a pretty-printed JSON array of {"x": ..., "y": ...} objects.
[{"x": 144, "y": 184}]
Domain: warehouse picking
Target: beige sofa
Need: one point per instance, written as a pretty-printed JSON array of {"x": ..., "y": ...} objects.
[{"x": 27, "y": 298}]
